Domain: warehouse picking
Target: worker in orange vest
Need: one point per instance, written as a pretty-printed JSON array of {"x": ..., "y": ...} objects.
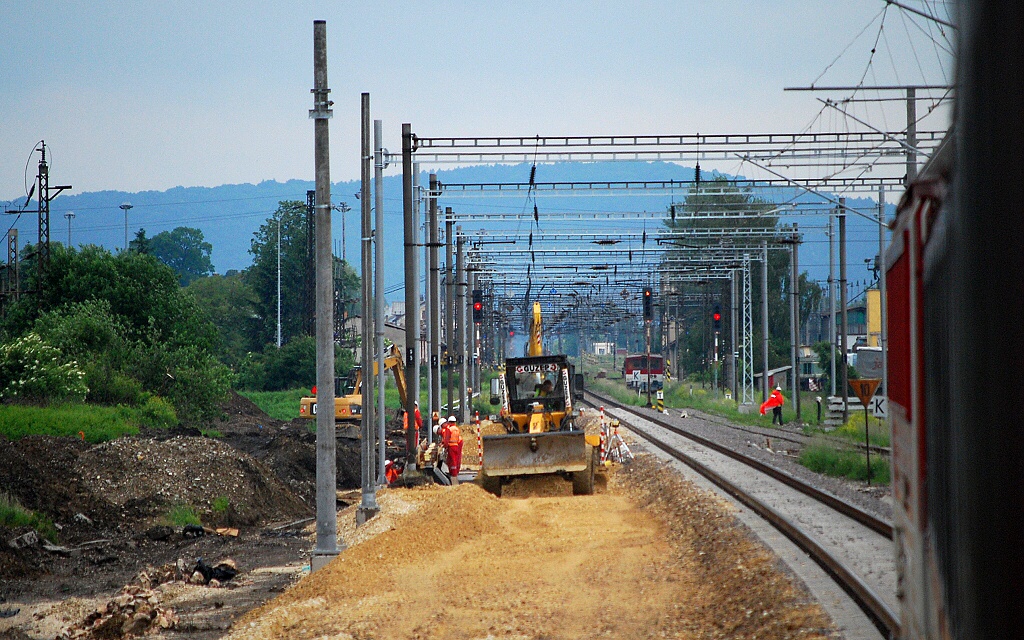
[{"x": 451, "y": 440}]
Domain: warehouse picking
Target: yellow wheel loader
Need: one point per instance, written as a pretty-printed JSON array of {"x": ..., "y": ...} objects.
[{"x": 541, "y": 436}]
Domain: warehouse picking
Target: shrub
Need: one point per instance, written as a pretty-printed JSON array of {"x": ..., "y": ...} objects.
[
  {"x": 156, "y": 412},
  {"x": 33, "y": 371}
]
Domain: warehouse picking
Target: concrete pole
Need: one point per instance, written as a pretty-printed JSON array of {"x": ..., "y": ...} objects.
[
  {"x": 417, "y": 243},
  {"x": 883, "y": 334},
  {"x": 435, "y": 304},
  {"x": 368, "y": 506},
  {"x": 764, "y": 319},
  {"x": 428, "y": 306},
  {"x": 326, "y": 469},
  {"x": 449, "y": 310},
  {"x": 911, "y": 136},
  {"x": 470, "y": 336},
  {"x": 278, "y": 280},
  {"x": 795, "y": 322},
  {"x": 70, "y": 216},
  {"x": 460, "y": 320},
  {"x": 843, "y": 379},
  {"x": 733, "y": 326},
  {"x": 832, "y": 302},
  {"x": 412, "y": 298},
  {"x": 378, "y": 292}
]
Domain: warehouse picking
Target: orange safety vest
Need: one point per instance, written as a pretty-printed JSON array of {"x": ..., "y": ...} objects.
[{"x": 451, "y": 436}]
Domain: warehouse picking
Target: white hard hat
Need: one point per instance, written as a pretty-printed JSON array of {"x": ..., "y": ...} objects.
[
  {"x": 436, "y": 429},
  {"x": 779, "y": 388},
  {"x": 452, "y": 419},
  {"x": 416, "y": 402}
]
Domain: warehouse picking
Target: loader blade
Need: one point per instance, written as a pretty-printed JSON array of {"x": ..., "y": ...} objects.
[{"x": 518, "y": 454}]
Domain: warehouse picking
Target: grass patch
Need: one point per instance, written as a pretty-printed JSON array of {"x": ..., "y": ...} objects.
[
  {"x": 279, "y": 405},
  {"x": 853, "y": 430},
  {"x": 221, "y": 504},
  {"x": 183, "y": 514},
  {"x": 830, "y": 461},
  {"x": 13, "y": 515},
  {"x": 98, "y": 423},
  {"x": 211, "y": 433}
]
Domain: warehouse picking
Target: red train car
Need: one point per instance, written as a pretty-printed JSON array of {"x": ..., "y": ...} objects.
[
  {"x": 637, "y": 373},
  {"x": 919, "y": 575}
]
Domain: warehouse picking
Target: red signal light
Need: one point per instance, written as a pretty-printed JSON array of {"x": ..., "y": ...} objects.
[{"x": 717, "y": 317}]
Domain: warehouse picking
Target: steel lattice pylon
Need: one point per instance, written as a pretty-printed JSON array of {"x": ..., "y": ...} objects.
[{"x": 747, "y": 341}]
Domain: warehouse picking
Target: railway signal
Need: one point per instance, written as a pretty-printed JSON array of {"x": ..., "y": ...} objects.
[
  {"x": 716, "y": 317},
  {"x": 648, "y": 305},
  {"x": 478, "y": 306}
]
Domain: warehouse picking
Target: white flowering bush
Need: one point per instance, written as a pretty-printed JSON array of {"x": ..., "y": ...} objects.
[{"x": 33, "y": 371}]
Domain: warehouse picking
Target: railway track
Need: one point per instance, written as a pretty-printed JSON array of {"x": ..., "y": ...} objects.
[{"x": 853, "y": 546}]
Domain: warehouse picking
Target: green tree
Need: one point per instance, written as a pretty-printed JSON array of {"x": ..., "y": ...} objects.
[
  {"x": 141, "y": 243},
  {"x": 296, "y": 275},
  {"x": 717, "y": 210},
  {"x": 296, "y": 269},
  {"x": 168, "y": 341},
  {"x": 229, "y": 301},
  {"x": 184, "y": 250}
]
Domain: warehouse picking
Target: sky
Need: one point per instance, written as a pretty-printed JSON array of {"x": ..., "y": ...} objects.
[{"x": 147, "y": 95}]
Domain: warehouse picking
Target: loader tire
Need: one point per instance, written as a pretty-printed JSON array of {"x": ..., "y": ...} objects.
[
  {"x": 583, "y": 481},
  {"x": 490, "y": 484}
]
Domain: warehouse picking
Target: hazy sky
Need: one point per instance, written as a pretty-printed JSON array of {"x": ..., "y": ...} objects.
[{"x": 150, "y": 95}]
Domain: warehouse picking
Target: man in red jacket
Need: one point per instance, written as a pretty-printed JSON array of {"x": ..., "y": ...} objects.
[{"x": 774, "y": 402}]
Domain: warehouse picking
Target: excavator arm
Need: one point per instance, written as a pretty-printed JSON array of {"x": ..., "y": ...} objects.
[{"x": 536, "y": 347}]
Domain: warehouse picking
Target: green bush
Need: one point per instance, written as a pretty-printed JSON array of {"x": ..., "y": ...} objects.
[
  {"x": 33, "y": 371},
  {"x": 156, "y": 412}
]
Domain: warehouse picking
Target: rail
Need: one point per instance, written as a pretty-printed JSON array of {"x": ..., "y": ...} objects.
[{"x": 884, "y": 618}]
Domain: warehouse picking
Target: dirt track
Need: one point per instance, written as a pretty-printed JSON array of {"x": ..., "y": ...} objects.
[{"x": 650, "y": 557}]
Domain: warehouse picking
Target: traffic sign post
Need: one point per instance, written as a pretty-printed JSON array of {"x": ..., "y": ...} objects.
[{"x": 864, "y": 389}]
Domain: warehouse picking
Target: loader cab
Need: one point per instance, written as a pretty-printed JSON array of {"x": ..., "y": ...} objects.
[{"x": 538, "y": 380}]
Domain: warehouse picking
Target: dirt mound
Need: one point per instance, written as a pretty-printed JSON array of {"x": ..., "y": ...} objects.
[
  {"x": 143, "y": 478},
  {"x": 34, "y": 471}
]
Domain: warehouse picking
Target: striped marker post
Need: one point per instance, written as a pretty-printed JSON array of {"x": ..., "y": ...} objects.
[
  {"x": 479, "y": 440},
  {"x": 604, "y": 438}
]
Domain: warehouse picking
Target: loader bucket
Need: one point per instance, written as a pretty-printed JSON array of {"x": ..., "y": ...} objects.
[{"x": 517, "y": 454}]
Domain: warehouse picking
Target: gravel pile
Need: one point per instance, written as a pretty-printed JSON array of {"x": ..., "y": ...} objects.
[{"x": 144, "y": 478}]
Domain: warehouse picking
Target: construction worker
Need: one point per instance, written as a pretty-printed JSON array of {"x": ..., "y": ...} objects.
[
  {"x": 451, "y": 441},
  {"x": 419, "y": 420}
]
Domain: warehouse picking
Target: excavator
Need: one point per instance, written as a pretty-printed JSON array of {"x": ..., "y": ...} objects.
[
  {"x": 536, "y": 394},
  {"x": 348, "y": 392}
]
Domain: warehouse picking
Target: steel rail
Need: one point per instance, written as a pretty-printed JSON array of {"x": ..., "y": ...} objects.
[
  {"x": 883, "y": 617},
  {"x": 870, "y": 521}
]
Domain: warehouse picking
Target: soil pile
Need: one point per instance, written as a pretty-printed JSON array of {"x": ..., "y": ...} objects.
[{"x": 142, "y": 479}]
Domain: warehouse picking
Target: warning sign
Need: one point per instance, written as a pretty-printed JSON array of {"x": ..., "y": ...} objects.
[{"x": 865, "y": 388}]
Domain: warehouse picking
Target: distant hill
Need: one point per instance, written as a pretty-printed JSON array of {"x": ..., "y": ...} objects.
[{"x": 228, "y": 215}]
